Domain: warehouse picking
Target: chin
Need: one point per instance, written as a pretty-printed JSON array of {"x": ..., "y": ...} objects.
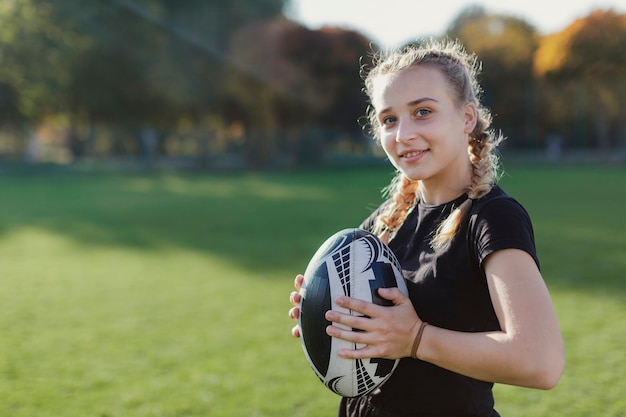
[{"x": 413, "y": 175}]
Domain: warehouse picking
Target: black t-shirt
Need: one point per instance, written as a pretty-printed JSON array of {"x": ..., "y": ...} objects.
[{"x": 448, "y": 289}]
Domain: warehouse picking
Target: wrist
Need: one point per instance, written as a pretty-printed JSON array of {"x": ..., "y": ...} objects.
[{"x": 417, "y": 340}]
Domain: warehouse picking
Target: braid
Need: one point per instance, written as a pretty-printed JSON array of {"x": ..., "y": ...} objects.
[
  {"x": 484, "y": 174},
  {"x": 485, "y": 165},
  {"x": 403, "y": 193}
]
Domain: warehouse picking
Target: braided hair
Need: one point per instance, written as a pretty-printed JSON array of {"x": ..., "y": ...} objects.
[{"x": 460, "y": 69}]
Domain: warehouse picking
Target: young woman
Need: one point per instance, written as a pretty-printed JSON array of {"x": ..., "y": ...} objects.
[{"x": 478, "y": 310}]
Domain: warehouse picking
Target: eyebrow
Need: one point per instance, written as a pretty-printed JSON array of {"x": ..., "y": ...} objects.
[{"x": 411, "y": 103}]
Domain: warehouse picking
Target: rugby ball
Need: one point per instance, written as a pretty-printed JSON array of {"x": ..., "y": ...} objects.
[{"x": 354, "y": 263}]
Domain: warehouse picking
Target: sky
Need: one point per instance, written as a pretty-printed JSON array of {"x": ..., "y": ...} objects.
[{"x": 393, "y": 22}]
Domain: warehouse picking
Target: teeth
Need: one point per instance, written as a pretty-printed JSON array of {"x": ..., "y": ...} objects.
[{"x": 411, "y": 154}]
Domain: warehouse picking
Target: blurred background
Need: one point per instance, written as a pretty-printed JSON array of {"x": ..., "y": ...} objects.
[
  {"x": 275, "y": 83},
  {"x": 167, "y": 167}
]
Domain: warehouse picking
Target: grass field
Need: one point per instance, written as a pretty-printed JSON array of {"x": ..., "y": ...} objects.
[{"x": 167, "y": 295}]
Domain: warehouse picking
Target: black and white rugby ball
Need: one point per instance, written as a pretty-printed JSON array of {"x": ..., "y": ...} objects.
[{"x": 354, "y": 263}]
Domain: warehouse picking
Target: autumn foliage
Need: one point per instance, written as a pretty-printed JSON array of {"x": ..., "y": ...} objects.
[
  {"x": 583, "y": 73},
  {"x": 203, "y": 79}
]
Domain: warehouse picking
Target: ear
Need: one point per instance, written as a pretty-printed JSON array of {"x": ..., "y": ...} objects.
[{"x": 471, "y": 118}]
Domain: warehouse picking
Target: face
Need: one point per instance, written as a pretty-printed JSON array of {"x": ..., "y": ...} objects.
[{"x": 423, "y": 129}]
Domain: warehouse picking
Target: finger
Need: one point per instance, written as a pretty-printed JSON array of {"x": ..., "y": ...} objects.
[
  {"x": 393, "y": 294},
  {"x": 295, "y": 298},
  {"x": 348, "y": 320},
  {"x": 294, "y": 313},
  {"x": 348, "y": 335},
  {"x": 298, "y": 281},
  {"x": 362, "y": 353},
  {"x": 360, "y": 306},
  {"x": 295, "y": 331}
]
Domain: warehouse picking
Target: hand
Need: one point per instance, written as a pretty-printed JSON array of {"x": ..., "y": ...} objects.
[
  {"x": 295, "y": 298},
  {"x": 388, "y": 332}
]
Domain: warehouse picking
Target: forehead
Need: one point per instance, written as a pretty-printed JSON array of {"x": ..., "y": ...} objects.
[{"x": 409, "y": 84}]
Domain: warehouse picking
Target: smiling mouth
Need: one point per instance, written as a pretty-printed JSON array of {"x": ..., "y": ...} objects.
[{"x": 412, "y": 154}]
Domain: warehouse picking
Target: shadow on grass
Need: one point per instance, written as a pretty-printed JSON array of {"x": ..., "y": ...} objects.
[
  {"x": 261, "y": 222},
  {"x": 274, "y": 222}
]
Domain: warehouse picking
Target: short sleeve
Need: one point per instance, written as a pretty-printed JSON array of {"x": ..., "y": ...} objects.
[{"x": 503, "y": 224}]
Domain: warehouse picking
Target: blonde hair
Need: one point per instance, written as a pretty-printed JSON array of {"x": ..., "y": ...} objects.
[{"x": 460, "y": 69}]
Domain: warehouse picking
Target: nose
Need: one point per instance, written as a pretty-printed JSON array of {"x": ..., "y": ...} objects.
[{"x": 405, "y": 131}]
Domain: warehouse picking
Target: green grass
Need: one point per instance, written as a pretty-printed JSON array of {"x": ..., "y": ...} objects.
[{"x": 167, "y": 295}]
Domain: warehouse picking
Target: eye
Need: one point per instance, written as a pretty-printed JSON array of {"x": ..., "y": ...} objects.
[
  {"x": 387, "y": 120},
  {"x": 422, "y": 112}
]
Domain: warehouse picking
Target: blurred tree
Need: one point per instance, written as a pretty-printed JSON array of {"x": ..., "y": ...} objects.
[
  {"x": 304, "y": 81},
  {"x": 37, "y": 49},
  {"x": 126, "y": 62},
  {"x": 505, "y": 45},
  {"x": 257, "y": 86},
  {"x": 583, "y": 72},
  {"x": 337, "y": 67},
  {"x": 332, "y": 59},
  {"x": 9, "y": 111}
]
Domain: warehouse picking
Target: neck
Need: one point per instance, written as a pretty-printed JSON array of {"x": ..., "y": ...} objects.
[
  {"x": 439, "y": 196},
  {"x": 443, "y": 189}
]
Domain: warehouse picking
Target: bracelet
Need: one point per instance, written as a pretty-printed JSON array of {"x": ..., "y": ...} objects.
[{"x": 418, "y": 339}]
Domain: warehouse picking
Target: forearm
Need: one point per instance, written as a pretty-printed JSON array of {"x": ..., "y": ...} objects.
[{"x": 492, "y": 356}]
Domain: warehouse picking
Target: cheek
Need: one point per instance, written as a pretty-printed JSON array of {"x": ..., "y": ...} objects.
[
  {"x": 387, "y": 142},
  {"x": 389, "y": 146}
]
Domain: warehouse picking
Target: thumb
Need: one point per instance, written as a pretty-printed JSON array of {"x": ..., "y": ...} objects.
[{"x": 393, "y": 294}]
